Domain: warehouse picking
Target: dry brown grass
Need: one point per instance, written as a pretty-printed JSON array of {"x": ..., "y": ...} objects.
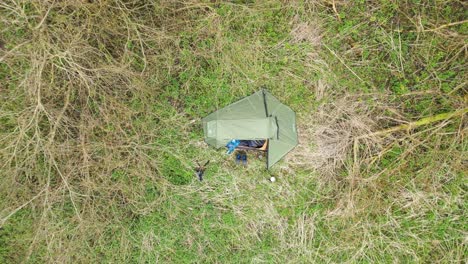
[
  {"x": 306, "y": 31},
  {"x": 329, "y": 134},
  {"x": 72, "y": 125}
]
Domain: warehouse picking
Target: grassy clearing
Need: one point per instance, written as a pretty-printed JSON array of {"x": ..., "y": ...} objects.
[{"x": 100, "y": 129}]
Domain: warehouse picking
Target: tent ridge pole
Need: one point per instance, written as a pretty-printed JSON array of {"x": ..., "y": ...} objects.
[{"x": 264, "y": 102}]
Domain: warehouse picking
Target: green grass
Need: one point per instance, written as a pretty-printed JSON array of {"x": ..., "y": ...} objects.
[{"x": 100, "y": 131}]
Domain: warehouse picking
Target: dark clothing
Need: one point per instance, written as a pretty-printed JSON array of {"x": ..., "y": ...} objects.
[{"x": 252, "y": 143}]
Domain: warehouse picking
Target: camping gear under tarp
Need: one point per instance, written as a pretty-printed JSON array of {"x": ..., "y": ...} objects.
[
  {"x": 252, "y": 143},
  {"x": 259, "y": 116}
]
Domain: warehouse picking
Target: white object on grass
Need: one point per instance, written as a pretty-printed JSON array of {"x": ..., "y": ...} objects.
[{"x": 272, "y": 179}]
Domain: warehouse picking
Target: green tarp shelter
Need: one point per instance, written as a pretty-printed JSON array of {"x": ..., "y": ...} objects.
[{"x": 259, "y": 116}]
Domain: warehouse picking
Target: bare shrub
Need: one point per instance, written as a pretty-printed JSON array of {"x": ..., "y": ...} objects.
[{"x": 69, "y": 145}]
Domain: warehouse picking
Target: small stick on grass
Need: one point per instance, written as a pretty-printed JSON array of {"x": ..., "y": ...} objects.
[
  {"x": 409, "y": 126},
  {"x": 335, "y": 10},
  {"x": 415, "y": 124}
]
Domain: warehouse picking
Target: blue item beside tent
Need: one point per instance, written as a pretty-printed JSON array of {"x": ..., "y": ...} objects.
[{"x": 232, "y": 145}]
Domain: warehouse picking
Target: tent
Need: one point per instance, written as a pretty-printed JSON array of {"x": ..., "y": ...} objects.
[{"x": 259, "y": 116}]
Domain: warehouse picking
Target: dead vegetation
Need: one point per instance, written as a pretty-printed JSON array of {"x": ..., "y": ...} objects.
[
  {"x": 306, "y": 31},
  {"x": 343, "y": 135},
  {"x": 67, "y": 134},
  {"x": 328, "y": 138}
]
